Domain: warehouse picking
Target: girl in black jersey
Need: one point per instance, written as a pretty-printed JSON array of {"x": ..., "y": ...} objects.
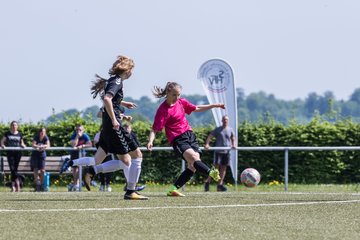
[
  {"x": 13, "y": 138},
  {"x": 114, "y": 138}
]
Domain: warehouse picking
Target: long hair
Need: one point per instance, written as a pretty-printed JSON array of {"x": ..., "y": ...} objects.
[
  {"x": 121, "y": 65},
  {"x": 159, "y": 92},
  {"x": 98, "y": 86}
]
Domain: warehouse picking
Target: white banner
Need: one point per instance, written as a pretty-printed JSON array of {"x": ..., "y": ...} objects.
[{"x": 218, "y": 82}]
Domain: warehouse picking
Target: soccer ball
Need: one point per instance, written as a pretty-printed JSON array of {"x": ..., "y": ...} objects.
[{"x": 250, "y": 177}]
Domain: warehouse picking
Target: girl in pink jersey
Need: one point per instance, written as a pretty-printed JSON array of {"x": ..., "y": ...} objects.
[{"x": 171, "y": 116}]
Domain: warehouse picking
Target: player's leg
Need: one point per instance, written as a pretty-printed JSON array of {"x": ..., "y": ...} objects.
[
  {"x": 134, "y": 173},
  {"x": 188, "y": 148},
  {"x": 135, "y": 169},
  {"x": 216, "y": 162}
]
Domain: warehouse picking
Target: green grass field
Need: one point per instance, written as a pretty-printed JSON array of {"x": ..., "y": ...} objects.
[{"x": 305, "y": 212}]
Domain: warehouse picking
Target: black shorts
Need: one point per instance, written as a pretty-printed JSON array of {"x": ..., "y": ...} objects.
[
  {"x": 185, "y": 141},
  {"x": 221, "y": 158},
  {"x": 115, "y": 141}
]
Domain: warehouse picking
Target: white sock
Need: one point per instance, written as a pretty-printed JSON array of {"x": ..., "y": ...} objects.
[
  {"x": 134, "y": 173},
  {"x": 84, "y": 161},
  {"x": 110, "y": 166},
  {"x": 126, "y": 170}
]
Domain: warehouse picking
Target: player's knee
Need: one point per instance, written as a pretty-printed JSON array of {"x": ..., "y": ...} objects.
[
  {"x": 127, "y": 162},
  {"x": 138, "y": 153}
]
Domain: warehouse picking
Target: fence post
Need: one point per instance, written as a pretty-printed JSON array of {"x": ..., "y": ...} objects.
[
  {"x": 182, "y": 170},
  {"x": 2, "y": 168},
  {"x": 286, "y": 169},
  {"x": 80, "y": 172}
]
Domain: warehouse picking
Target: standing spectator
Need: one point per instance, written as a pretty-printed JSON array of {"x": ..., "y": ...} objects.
[
  {"x": 224, "y": 137},
  {"x": 171, "y": 116},
  {"x": 40, "y": 143},
  {"x": 79, "y": 140},
  {"x": 13, "y": 138}
]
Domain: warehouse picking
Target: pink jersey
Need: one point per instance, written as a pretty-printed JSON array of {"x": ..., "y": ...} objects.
[{"x": 173, "y": 118}]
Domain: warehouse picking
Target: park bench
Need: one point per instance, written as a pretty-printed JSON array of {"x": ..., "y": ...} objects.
[{"x": 52, "y": 165}]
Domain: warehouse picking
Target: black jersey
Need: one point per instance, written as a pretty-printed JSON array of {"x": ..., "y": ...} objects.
[
  {"x": 115, "y": 141},
  {"x": 13, "y": 140},
  {"x": 114, "y": 86}
]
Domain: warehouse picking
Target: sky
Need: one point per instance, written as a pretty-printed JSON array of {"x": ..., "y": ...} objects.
[{"x": 51, "y": 50}]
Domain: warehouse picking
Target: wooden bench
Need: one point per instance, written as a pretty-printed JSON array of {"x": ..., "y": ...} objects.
[{"x": 52, "y": 165}]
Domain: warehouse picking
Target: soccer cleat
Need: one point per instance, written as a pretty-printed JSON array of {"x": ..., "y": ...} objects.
[
  {"x": 65, "y": 165},
  {"x": 134, "y": 196},
  {"x": 206, "y": 187},
  {"x": 88, "y": 176},
  {"x": 138, "y": 188},
  {"x": 214, "y": 174},
  {"x": 108, "y": 188},
  {"x": 174, "y": 193},
  {"x": 221, "y": 188}
]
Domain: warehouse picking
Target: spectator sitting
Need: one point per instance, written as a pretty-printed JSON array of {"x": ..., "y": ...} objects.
[{"x": 79, "y": 140}]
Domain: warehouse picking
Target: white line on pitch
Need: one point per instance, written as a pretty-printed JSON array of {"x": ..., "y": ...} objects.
[{"x": 179, "y": 207}]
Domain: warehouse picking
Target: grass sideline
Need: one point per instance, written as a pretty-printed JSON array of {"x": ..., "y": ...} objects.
[
  {"x": 154, "y": 187},
  {"x": 264, "y": 212}
]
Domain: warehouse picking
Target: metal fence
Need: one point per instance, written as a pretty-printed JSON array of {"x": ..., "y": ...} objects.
[{"x": 286, "y": 151}]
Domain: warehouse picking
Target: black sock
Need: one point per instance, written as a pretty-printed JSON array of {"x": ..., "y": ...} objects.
[
  {"x": 128, "y": 192},
  {"x": 71, "y": 163},
  {"x": 184, "y": 177},
  {"x": 201, "y": 167}
]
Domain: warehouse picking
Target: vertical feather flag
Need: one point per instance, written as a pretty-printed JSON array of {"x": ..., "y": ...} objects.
[{"x": 217, "y": 79}]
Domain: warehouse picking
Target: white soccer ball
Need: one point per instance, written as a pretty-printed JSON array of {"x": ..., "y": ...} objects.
[{"x": 250, "y": 177}]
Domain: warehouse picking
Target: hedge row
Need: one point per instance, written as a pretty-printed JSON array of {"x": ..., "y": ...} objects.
[{"x": 304, "y": 166}]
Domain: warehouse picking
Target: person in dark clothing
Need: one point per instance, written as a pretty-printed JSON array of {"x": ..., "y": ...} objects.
[
  {"x": 114, "y": 138},
  {"x": 13, "y": 138},
  {"x": 40, "y": 143}
]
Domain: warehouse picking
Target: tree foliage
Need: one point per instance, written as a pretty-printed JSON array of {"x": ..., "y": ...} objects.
[{"x": 251, "y": 108}]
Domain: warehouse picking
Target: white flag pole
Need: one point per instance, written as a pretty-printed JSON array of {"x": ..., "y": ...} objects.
[{"x": 217, "y": 79}]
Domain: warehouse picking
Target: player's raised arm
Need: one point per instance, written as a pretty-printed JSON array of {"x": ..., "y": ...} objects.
[{"x": 202, "y": 108}]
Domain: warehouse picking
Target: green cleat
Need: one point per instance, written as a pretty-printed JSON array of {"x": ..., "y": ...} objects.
[
  {"x": 173, "y": 192},
  {"x": 214, "y": 174}
]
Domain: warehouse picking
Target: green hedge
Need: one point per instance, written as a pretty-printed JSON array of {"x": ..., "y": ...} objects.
[{"x": 304, "y": 166}]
